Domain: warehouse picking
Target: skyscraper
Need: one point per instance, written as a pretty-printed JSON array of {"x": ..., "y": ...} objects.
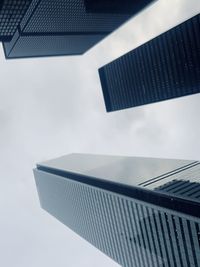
[
  {"x": 166, "y": 67},
  {"x": 114, "y": 203},
  {"x": 11, "y": 13},
  {"x": 65, "y": 27}
]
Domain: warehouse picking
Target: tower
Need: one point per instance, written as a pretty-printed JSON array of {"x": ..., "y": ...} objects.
[
  {"x": 66, "y": 27},
  {"x": 114, "y": 203},
  {"x": 166, "y": 67}
]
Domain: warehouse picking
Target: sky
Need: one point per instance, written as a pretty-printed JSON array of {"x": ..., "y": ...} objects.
[{"x": 54, "y": 106}]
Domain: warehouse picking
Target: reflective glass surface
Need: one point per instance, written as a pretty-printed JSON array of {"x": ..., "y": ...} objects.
[{"x": 125, "y": 170}]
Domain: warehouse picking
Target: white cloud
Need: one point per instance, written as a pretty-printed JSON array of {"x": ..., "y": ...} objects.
[{"x": 50, "y": 107}]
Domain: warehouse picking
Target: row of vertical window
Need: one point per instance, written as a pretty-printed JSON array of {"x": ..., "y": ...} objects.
[
  {"x": 131, "y": 233},
  {"x": 163, "y": 68}
]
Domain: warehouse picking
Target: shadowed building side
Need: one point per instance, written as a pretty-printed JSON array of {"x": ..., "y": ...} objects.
[
  {"x": 59, "y": 44},
  {"x": 115, "y": 6},
  {"x": 166, "y": 67}
]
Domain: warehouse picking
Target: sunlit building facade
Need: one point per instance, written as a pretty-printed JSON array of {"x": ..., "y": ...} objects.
[
  {"x": 166, "y": 67},
  {"x": 120, "y": 205}
]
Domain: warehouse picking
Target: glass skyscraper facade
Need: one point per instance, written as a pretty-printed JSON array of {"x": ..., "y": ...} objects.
[
  {"x": 65, "y": 27},
  {"x": 11, "y": 14},
  {"x": 166, "y": 67},
  {"x": 121, "y": 206}
]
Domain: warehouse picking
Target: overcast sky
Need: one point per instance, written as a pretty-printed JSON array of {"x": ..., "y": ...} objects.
[{"x": 54, "y": 106}]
